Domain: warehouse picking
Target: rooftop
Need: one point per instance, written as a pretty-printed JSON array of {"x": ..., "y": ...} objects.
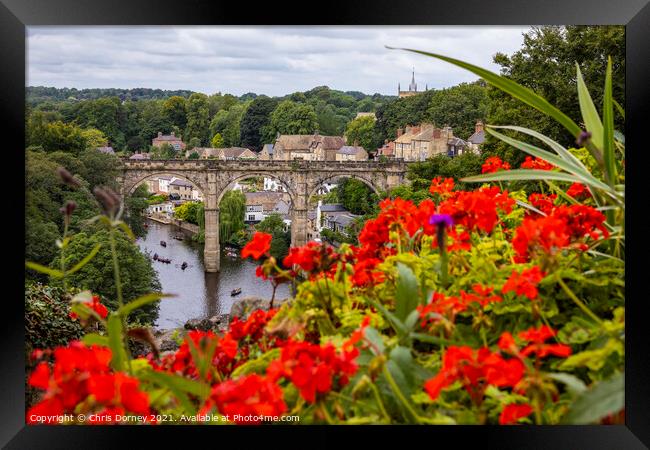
[
  {"x": 350, "y": 150},
  {"x": 477, "y": 138}
]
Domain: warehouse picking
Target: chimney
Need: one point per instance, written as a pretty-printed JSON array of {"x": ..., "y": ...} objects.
[
  {"x": 479, "y": 126},
  {"x": 400, "y": 132},
  {"x": 408, "y": 129},
  {"x": 159, "y": 133}
]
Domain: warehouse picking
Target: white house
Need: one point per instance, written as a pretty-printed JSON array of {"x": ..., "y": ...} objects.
[
  {"x": 164, "y": 208},
  {"x": 254, "y": 213},
  {"x": 196, "y": 195},
  {"x": 271, "y": 184},
  {"x": 163, "y": 184}
]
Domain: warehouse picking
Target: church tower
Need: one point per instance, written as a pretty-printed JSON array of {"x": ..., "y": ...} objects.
[{"x": 413, "y": 87}]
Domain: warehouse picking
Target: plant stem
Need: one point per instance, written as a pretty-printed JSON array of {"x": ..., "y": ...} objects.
[
  {"x": 399, "y": 395},
  {"x": 116, "y": 269},
  {"x": 578, "y": 302}
]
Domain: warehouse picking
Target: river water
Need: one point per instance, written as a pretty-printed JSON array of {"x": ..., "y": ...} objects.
[{"x": 199, "y": 294}]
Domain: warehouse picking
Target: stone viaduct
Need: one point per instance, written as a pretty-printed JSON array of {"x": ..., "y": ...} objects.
[{"x": 300, "y": 178}]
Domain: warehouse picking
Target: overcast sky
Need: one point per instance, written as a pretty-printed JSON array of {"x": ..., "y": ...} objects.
[{"x": 266, "y": 60}]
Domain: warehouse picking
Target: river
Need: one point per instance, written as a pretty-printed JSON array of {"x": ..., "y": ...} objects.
[{"x": 199, "y": 294}]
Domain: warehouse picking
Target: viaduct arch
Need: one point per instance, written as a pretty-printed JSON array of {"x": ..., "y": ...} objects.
[{"x": 301, "y": 178}]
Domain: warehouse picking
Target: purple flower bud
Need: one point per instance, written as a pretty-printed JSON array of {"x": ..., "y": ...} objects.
[
  {"x": 583, "y": 137},
  {"x": 107, "y": 198},
  {"x": 441, "y": 220}
]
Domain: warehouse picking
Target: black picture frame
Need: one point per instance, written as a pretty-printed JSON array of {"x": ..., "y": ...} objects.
[{"x": 15, "y": 15}]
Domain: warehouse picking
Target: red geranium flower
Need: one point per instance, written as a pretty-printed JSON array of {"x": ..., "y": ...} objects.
[
  {"x": 524, "y": 283},
  {"x": 545, "y": 203},
  {"x": 96, "y": 306},
  {"x": 536, "y": 337},
  {"x": 494, "y": 164},
  {"x": 258, "y": 246},
  {"x": 250, "y": 395},
  {"x": 513, "y": 412},
  {"x": 441, "y": 187},
  {"x": 536, "y": 164}
]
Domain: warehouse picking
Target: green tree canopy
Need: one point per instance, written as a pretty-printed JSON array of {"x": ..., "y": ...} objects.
[
  {"x": 198, "y": 118},
  {"x": 174, "y": 112},
  {"x": 256, "y": 118},
  {"x": 292, "y": 118},
  {"x": 361, "y": 132},
  {"x": 231, "y": 214}
]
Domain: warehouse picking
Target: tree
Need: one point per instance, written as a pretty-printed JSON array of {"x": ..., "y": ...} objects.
[
  {"x": 227, "y": 124},
  {"x": 154, "y": 119},
  {"x": 217, "y": 141},
  {"x": 94, "y": 138},
  {"x": 459, "y": 107},
  {"x": 274, "y": 225},
  {"x": 257, "y": 117},
  {"x": 135, "y": 143},
  {"x": 174, "y": 111},
  {"x": 546, "y": 64},
  {"x": 231, "y": 214},
  {"x": 356, "y": 196},
  {"x": 164, "y": 151},
  {"x": 137, "y": 275},
  {"x": 105, "y": 114},
  {"x": 53, "y": 136},
  {"x": 188, "y": 212},
  {"x": 198, "y": 118},
  {"x": 135, "y": 207},
  {"x": 193, "y": 155},
  {"x": 194, "y": 142},
  {"x": 292, "y": 118},
  {"x": 361, "y": 132}
]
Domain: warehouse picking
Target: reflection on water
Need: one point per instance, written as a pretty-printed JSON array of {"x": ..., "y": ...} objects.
[{"x": 199, "y": 294}]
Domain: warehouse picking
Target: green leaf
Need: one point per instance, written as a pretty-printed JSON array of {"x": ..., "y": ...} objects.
[
  {"x": 573, "y": 383},
  {"x": 522, "y": 174},
  {"x": 372, "y": 335},
  {"x": 589, "y": 113},
  {"x": 433, "y": 339},
  {"x": 605, "y": 398},
  {"x": 44, "y": 269},
  {"x": 180, "y": 387},
  {"x": 257, "y": 365},
  {"x": 84, "y": 261},
  {"x": 140, "y": 302},
  {"x": 126, "y": 230},
  {"x": 620, "y": 109},
  {"x": 510, "y": 87},
  {"x": 116, "y": 342},
  {"x": 95, "y": 339},
  {"x": 397, "y": 324},
  {"x": 577, "y": 170},
  {"x": 558, "y": 148},
  {"x": 406, "y": 295},
  {"x": 608, "y": 128}
]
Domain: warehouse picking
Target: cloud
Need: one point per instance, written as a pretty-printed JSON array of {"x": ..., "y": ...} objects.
[{"x": 269, "y": 60}]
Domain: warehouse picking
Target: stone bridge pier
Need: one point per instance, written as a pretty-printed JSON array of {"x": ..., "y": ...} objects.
[{"x": 300, "y": 178}]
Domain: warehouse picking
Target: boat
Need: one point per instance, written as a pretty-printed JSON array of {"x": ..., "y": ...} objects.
[
  {"x": 155, "y": 256},
  {"x": 184, "y": 265},
  {"x": 163, "y": 243},
  {"x": 232, "y": 254},
  {"x": 179, "y": 237},
  {"x": 235, "y": 292}
]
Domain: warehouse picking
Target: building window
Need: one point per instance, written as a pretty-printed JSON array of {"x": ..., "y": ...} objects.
[{"x": 251, "y": 217}]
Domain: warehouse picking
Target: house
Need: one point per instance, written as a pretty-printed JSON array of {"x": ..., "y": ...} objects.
[
  {"x": 182, "y": 188},
  {"x": 140, "y": 156},
  {"x": 271, "y": 184},
  {"x": 475, "y": 141},
  {"x": 254, "y": 214},
  {"x": 424, "y": 141},
  {"x": 170, "y": 139},
  {"x": 163, "y": 184},
  {"x": 108, "y": 150},
  {"x": 161, "y": 208},
  {"x": 387, "y": 150},
  {"x": 197, "y": 196},
  {"x": 310, "y": 147},
  {"x": 267, "y": 152},
  {"x": 152, "y": 185},
  {"x": 339, "y": 222},
  {"x": 232, "y": 153},
  {"x": 351, "y": 153}
]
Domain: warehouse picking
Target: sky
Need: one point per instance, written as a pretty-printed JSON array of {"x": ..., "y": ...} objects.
[{"x": 274, "y": 61}]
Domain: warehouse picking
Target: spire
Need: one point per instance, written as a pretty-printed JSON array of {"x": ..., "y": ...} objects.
[
  {"x": 398, "y": 89},
  {"x": 413, "y": 87}
]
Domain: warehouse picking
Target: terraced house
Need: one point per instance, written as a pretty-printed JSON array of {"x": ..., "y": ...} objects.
[
  {"x": 310, "y": 147},
  {"x": 418, "y": 143},
  {"x": 170, "y": 139}
]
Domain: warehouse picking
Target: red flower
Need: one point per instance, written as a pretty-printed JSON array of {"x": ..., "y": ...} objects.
[
  {"x": 96, "y": 306},
  {"x": 258, "y": 246},
  {"x": 312, "y": 368},
  {"x": 536, "y": 164},
  {"x": 475, "y": 369},
  {"x": 459, "y": 240},
  {"x": 513, "y": 412},
  {"x": 494, "y": 164},
  {"x": 524, "y": 283},
  {"x": 365, "y": 273},
  {"x": 250, "y": 395},
  {"x": 536, "y": 337},
  {"x": 82, "y": 374},
  {"x": 477, "y": 209},
  {"x": 578, "y": 191},
  {"x": 545, "y": 203},
  {"x": 481, "y": 295},
  {"x": 441, "y": 187},
  {"x": 440, "y": 306},
  {"x": 545, "y": 234}
]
